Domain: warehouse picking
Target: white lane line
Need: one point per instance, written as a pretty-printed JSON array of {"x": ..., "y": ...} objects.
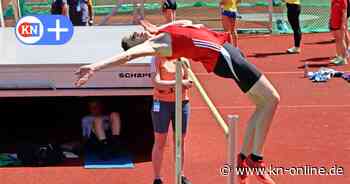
[{"x": 280, "y": 106}]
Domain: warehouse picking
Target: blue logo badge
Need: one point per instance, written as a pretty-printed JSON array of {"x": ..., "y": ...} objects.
[{"x": 44, "y": 30}]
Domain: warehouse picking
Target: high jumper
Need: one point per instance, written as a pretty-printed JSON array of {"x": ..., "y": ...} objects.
[{"x": 216, "y": 53}]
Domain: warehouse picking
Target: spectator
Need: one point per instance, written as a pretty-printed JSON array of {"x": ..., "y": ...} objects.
[
  {"x": 229, "y": 15},
  {"x": 101, "y": 132},
  {"x": 163, "y": 110},
  {"x": 338, "y": 25},
  {"x": 138, "y": 13},
  {"x": 80, "y": 12},
  {"x": 169, "y": 10},
  {"x": 59, "y": 7},
  {"x": 293, "y": 13}
]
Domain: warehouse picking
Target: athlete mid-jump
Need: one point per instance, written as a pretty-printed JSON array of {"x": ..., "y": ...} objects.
[{"x": 213, "y": 50}]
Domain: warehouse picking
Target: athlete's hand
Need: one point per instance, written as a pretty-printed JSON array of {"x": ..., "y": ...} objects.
[
  {"x": 84, "y": 73},
  {"x": 187, "y": 83}
]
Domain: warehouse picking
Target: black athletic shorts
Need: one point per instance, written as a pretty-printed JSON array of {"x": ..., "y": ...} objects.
[
  {"x": 169, "y": 4},
  {"x": 244, "y": 73}
]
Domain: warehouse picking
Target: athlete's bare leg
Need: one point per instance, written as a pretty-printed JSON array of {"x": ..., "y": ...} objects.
[{"x": 266, "y": 99}]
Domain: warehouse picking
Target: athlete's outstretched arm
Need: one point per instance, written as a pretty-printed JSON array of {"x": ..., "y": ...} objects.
[
  {"x": 86, "y": 71},
  {"x": 156, "y": 45}
]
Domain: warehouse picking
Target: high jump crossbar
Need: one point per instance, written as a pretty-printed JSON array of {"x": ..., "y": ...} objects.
[{"x": 208, "y": 101}]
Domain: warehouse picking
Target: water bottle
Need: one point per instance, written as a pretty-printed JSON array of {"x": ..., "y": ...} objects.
[{"x": 306, "y": 69}]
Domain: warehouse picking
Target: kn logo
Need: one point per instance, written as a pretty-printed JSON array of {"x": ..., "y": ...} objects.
[{"x": 44, "y": 30}]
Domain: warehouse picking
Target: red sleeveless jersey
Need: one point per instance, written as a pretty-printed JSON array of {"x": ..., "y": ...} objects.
[{"x": 198, "y": 44}]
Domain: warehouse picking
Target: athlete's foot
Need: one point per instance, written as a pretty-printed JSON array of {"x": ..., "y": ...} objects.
[
  {"x": 242, "y": 169},
  {"x": 294, "y": 50},
  {"x": 339, "y": 61},
  {"x": 157, "y": 181},
  {"x": 115, "y": 144},
  {"x": 335, "y": 59},
  {"x": 343, "y": 61},
  {"x": 103, "y": 150},
  {"x": 105, "y": 154},
  {"x": 260, "y": 171}
]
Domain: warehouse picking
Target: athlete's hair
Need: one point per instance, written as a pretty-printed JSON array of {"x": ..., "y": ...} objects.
[{"x": 125, "y": 44}]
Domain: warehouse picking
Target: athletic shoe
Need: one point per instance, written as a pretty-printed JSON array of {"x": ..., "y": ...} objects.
[
  {"x": 116, "y": 145},
  {"x": 157, "y": 181},
  {"x": 339, "y": 61},
  {"x": 294, "y": 50},
  {"x": 259, "y": 170},
  {"x": 335, "y": 59},
  {"x": 105, "y": 154},
  {"x": 184, "y": 180},
  {"x": 242, "y": 168}
]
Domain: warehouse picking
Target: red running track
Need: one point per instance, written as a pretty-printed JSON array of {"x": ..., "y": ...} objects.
[{"x": 310, "y": 127}]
